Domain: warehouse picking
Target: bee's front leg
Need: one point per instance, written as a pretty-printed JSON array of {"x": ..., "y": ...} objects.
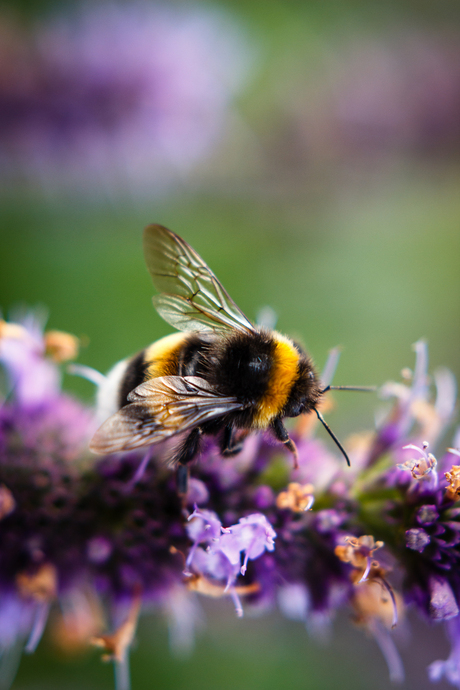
[
  {"x": 231, "y": 442},
  {"x": 280, "y": 432}
]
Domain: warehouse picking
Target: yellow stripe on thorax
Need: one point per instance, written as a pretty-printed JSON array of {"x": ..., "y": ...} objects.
[
  {"x": 282, "y": 377},
  {"x": 162, "y": 355}
]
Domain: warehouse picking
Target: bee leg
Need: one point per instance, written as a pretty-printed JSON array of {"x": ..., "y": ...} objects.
[
  {"x": 182, "y": 474},
  {"x": 230, "y": 445},
  {"x": 185, "y": 454},
  {"x": 282, "y": 435}
]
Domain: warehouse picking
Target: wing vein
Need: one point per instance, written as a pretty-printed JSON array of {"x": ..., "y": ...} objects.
[{"x": 191, "y": 297}]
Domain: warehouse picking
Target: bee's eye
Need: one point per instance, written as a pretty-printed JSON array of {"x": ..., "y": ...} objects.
[{"x": 296, "y": 409}]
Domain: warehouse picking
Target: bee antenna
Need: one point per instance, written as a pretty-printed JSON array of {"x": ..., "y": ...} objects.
[
  {"x": 364, "y": 389},
  {"x": 332, "y": 435}
]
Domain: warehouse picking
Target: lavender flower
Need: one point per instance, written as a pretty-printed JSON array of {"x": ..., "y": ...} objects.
[
  {"x": 221, "y": 561},
  {"x": 114, "y": 535},
  {"x": 78, "y": 113},
  {"x": 392, "y": 92},
  {"x": 369, "y": 107}
]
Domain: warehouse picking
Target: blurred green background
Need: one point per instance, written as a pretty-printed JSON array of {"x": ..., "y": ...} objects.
[{"x": 326, "y": 185}]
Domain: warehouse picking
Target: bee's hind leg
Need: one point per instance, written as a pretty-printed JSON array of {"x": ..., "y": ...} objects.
[
  {"x": 231, "y": 443},
  {"x": 183, "y": 455}
]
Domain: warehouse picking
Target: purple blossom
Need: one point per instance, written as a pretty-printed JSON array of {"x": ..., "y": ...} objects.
[
  {"x": 398, "y": 92},
  {"x": 32, "y": 376},
  {"x": 252, "y": 536},
  {"x": 111, "y": 538},
  {"x": 221, "y": 560},
  {"x": 422, "y": 467},
  {"x": 79, "y": 114},
  {"x": 370, "y": 105},
  {"x": 417, "y": 539}
]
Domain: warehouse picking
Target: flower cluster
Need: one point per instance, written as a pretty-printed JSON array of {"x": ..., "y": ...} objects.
[
  {"x": 110, "y": 538},
  {"x": 366, "y": 102},
  {"x": 116, "y": 96}
]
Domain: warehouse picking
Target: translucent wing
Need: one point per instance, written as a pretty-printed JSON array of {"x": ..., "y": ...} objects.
[
  {"x": 159, "y": 409},
  {"x": 192, "y": 298}
]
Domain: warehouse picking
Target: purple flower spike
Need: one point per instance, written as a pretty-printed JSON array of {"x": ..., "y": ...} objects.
[
  {"x": 104, "y": 539},
  {"x": 80, "y": 115}
]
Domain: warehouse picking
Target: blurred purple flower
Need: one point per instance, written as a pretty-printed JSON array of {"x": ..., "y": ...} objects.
[
  {"x": 391, "y": 91},
  {"x": 119, "y": 95},
  {"x": 32, "y": 377},
  {"x": 449, "y": 669},
  {"x": 400, "y": 92}
]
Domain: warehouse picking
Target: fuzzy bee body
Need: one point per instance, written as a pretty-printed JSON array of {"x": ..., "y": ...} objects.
[
  {"x": 219, "y": 375},
  {"x": 269, "y": 375}
]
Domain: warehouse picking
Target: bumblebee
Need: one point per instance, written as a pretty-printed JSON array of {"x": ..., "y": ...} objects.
[{"x": 219, "y": 376}]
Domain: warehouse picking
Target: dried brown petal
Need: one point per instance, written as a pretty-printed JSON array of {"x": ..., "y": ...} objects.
[
  {"x": 41, "y": 585},
  {"x": 61, "y": 346}
]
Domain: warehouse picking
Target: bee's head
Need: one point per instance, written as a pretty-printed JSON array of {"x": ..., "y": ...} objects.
[{"x": 305, "y": 392}]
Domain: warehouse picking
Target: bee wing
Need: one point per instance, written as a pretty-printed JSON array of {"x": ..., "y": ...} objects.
[
  {"x": 159, "y": 409},
  {"x": 192, "y": 298}
]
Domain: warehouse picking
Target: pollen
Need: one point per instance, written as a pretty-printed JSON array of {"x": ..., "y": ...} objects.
[
  {"x": 359, "y": 552},
  {"x": 282, "y": 377},
  {"x": 453, "y": 477},
  {"x": 422, "y": 467},
  {"x": 297, "y": 497}
]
